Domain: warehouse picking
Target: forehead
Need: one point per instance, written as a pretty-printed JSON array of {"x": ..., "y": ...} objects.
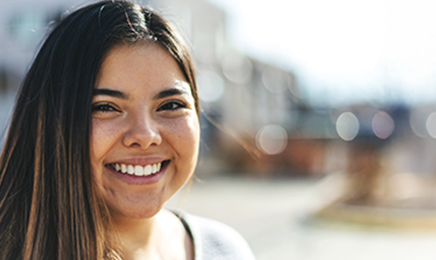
[
  {"x": 140, "y": 55},
  {"x": 139, "y": 65}
]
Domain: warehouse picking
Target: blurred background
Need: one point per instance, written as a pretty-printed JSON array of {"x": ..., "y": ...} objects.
[{"x": 318, "y": 119}]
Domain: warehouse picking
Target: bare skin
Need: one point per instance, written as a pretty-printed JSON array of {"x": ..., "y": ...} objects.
[{"x": 163, "y": 237}]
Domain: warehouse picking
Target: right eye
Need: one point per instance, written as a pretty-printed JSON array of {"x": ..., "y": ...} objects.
[{"x": 104, "y": 107}]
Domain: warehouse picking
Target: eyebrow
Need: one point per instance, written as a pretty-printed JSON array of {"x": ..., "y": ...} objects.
[
  {"x": 118, "y": 94},
  {"x": 109, "y": 92},
  {"x": 170, "y": 92}
]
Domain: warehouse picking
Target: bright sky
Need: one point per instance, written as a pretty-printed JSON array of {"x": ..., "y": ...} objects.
[{"x": 342, "y": 50}]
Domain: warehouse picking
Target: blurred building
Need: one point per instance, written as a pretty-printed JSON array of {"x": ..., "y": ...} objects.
[{"x": 23, "y": 24}]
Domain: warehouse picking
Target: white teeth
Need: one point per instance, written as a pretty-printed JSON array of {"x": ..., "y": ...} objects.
[
  {"x": 147, "y": 170},
  {"x": 154, "y": 168},
  {"x": 137, "y": 170},
  {"x": 130, "y": 169}
]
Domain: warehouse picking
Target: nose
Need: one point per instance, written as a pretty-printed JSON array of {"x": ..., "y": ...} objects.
[{"x": 143, "y": 132}]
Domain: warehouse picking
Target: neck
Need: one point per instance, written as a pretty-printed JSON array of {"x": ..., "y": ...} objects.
[
  {"x": 159, "y": 237},
  {"x": 136, "y": 229}
]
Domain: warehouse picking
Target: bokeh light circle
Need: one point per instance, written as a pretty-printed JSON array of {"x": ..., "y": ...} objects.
[
  {"x": 274, "y": 81},
  {"x": 383, "y": 125},
  {"x": 347, "y": 126},
  {"x": 237, "y": 68},
  {"x": 418, "y": 120},
  {"x": 210, "y": 86},
  {"x": 272, "y": 139},
  {"x": 431, "y": 125}
]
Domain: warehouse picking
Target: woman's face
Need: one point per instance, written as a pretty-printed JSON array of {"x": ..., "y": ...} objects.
[{"x": 145, "y": 130}]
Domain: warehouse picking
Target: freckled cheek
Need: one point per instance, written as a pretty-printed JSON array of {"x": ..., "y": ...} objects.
[
  {"x": 188, "y": 138},
  {"x": 103, "y": 137}
]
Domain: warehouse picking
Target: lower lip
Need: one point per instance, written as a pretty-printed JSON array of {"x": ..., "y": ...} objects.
[{"x": 139, "y": 180}]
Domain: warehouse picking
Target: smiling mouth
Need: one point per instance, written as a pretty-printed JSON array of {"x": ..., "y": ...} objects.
[{"x": 138, "y": 170}]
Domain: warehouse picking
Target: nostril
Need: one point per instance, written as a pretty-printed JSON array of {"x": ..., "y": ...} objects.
[
  {"x": 135, "y": 144},
  {"x": 140, "y": 138}
]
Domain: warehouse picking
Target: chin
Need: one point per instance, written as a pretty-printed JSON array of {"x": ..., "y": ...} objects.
[
  {"x": 144, "y": 215},
  {"x": 146, "y": 209},
  {"x": 135, "y": 214}
]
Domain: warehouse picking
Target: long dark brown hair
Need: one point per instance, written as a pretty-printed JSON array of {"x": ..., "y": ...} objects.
[{"x": 48, "y": 205}]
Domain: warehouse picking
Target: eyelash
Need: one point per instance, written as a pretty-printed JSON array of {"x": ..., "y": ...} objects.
[
  {"x": 104, "y": 108},
  {"x": 172, "y": 108}
]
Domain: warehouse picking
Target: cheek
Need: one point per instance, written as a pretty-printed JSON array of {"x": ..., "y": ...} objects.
[
  {"x": 103, "y": 137},
  {"x": 188, "y": 139}
]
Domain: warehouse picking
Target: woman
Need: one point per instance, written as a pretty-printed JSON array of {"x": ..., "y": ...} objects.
[{"x": 105, "y": 130}]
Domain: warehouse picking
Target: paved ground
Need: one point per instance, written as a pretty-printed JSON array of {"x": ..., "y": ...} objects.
[{"x": 275, "y": 218}]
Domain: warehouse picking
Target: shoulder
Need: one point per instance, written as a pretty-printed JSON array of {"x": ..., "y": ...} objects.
[{"x": 215, "y": 240}]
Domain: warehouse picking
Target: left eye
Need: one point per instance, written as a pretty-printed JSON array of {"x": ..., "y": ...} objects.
[{"x": 172, "y": 106}]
